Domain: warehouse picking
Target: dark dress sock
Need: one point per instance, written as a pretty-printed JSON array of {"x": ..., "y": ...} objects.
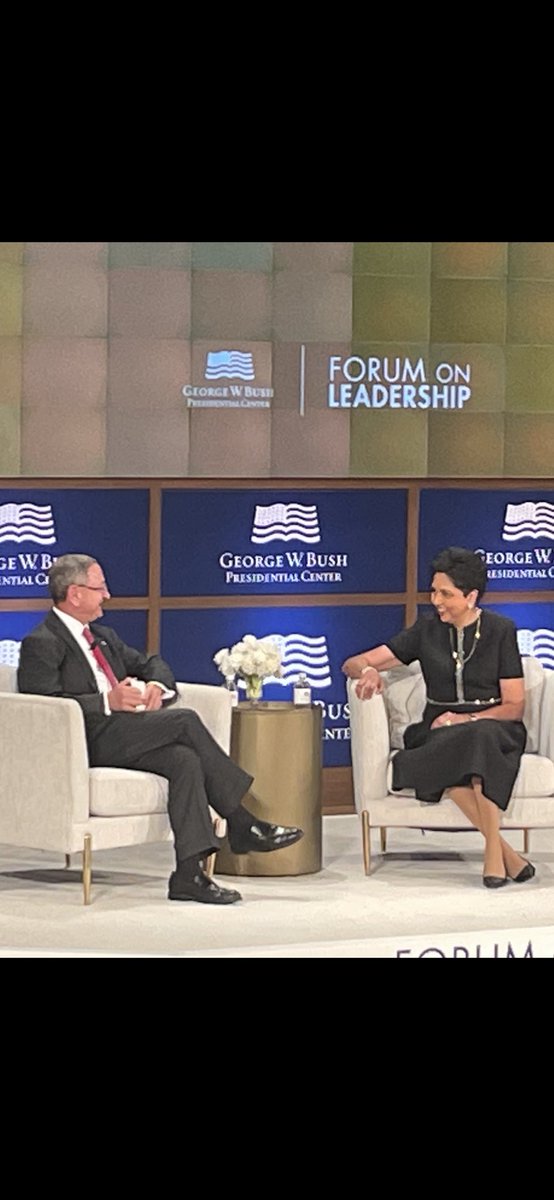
[
  {"x": 240, "y": 820},
  {"x": 187, "y": 868}
]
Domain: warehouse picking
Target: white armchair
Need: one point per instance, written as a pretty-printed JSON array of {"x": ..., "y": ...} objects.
[
  {"x": 377, "y": 726},
  {"x": 51, "y": 799}
]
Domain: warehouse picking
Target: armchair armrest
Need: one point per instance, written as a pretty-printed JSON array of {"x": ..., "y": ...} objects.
[
  {"x": 370, "y": 747},
  {"x": 44, "y": 782},
  {"x": 213, "y": 705},
  {"x": 546, "y": 732}
]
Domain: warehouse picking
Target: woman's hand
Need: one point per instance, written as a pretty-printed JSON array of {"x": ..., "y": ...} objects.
[
  {"x": 450, "y": 718},
  {"x": 369, "y": 684}
]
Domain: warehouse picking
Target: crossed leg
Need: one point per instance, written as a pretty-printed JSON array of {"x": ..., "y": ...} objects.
[{"x": 500, "y": 857}]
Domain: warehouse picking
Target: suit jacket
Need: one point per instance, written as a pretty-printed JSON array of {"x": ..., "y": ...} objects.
[{"x": 51, "y": 664}]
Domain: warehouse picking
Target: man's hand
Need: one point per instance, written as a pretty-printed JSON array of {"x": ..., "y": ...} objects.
[
  {"x": 125, "y": 697},
  {"x": 152, "y": 698}
]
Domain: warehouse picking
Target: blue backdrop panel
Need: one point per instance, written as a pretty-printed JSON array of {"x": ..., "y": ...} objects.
[
  {"x": 131, "y": 626},
  {"x": 514, "y": 530},
  {"x": 37, "y": 526},
  {"x": 228, "y": 543},
  {"x": 315, "y": 639},
  {"x": 535, "y": 629}
]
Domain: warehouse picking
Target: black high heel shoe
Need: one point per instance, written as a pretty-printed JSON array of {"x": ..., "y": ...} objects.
[
  {"x": 526, "y": 873},
  {"x": 495, "y": 881}
]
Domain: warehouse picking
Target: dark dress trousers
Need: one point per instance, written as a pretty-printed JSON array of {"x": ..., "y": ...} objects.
[{"x": 172, "y": 742}]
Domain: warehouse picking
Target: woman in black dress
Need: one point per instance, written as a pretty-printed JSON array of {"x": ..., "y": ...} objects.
[{"x": 471, "y": 737}]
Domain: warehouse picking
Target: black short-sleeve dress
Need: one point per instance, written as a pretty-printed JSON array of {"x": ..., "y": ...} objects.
[{"x": 461, "y": 676}]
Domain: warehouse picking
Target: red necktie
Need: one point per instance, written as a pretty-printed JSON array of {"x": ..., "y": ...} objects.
[{"x": 100, "y": 658}]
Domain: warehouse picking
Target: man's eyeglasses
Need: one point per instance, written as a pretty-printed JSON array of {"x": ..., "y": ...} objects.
[{"x": 101, "y": 587}]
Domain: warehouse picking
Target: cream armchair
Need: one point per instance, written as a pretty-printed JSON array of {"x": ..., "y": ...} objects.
[
  {"x": 377, "y": 726},
  {"x": 52, "y": 800}
]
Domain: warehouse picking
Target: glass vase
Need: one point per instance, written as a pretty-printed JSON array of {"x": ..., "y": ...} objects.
[{"x": 253, "y": 685}]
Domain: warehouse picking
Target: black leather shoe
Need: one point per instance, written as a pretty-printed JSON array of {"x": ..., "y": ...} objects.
[
  {"x": 526, "y": 873},
  {"x": 200, "y": 888},
  {"x": 262, "y": 837},
  {"x": 494, "y": 881}
]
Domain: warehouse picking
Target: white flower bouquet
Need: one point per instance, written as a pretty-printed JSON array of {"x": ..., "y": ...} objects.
[{"x": 252, "y": 660}]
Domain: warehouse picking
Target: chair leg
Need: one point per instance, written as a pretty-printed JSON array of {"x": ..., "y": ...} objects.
[
  {"x": 87, "y": 867},
  {"x": 383, "y": 832},
  {"x": 209, "y": 865},
  {"x": 366, "y": 840},
  {"x": 525, "y": 841},
  {"x": 67, "y": 862}
]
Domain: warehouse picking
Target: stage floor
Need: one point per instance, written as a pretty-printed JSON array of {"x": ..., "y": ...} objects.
[{"x": 424, "y": 898}]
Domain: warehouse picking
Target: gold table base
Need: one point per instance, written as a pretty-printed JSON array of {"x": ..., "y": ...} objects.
[{"x": 280, "y": 745}]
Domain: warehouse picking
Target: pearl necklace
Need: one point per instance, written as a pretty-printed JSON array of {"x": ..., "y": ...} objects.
[{"x": 460, "y": 658}]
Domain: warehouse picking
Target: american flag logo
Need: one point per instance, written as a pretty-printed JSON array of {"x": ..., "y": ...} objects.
[
  {"x": 301, "y": 655},
  {"x": 528, "y": 520},
  {"x": 229, "y": 364},
  {"x": 538, "y": 643},
  {"x": 286, "y": 523},
  {"x": 27, "y": 523}
]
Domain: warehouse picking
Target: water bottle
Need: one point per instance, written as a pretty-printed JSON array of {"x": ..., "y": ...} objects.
[
  {"x": 231, "y": 686},
  {"x": 302, "y": 692}
]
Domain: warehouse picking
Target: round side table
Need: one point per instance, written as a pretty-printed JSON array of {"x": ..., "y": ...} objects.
[{"x": 280, "y": 745}]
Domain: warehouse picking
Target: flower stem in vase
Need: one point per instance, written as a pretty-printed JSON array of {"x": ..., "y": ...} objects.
[{"x": 254, "y": 684}]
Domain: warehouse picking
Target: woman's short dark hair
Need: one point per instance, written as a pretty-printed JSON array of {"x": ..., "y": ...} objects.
[{"x": 465, "y": 568}]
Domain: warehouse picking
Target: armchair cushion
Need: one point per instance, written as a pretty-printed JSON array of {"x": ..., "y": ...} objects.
[
  {"x": 115, "y": 792},
  {"x": 535, "y": 777},
  {"x": 405, "y": 697}
]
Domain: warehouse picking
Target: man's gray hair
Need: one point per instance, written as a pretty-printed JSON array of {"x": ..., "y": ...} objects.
[{"x": 68, "y": 569}]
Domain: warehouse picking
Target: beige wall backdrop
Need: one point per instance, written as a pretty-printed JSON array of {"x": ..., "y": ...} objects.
[{"x": 98, "y": 339}]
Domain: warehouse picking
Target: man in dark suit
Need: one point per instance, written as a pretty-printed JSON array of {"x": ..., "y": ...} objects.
[{"x": 126, "y": 699}]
